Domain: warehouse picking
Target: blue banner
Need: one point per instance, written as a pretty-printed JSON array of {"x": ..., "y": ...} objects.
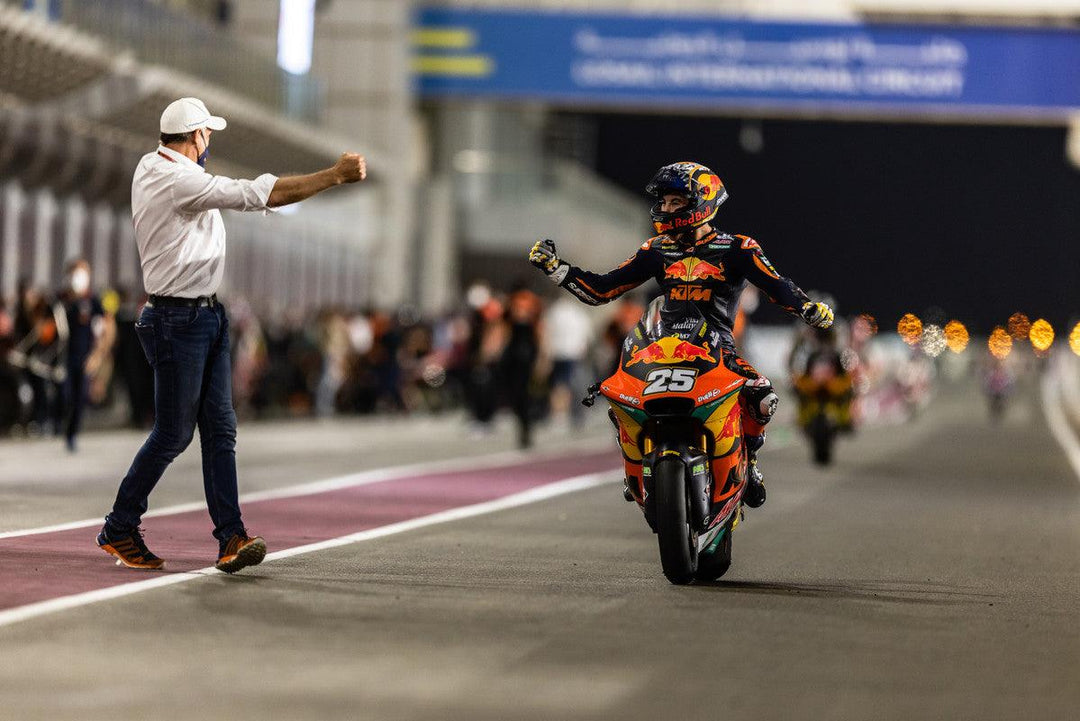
[{"x": 683, "y": 62}]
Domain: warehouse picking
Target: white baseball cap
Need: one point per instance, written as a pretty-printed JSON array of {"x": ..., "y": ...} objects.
[{"x": 187, "y": 114}]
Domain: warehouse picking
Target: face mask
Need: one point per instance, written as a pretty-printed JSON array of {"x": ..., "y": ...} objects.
[
  {"x": 206, "y": 151},
  {"x": 80, "y": 281}
]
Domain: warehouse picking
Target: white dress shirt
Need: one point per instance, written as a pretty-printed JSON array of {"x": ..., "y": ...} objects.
[{"x": 178, "y": 227}]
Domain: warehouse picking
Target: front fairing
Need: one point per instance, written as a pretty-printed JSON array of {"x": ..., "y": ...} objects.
[{"x": 672, "y": 353}]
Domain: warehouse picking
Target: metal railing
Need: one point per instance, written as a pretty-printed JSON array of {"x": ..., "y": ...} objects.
[{"x": 159, "y": 35}]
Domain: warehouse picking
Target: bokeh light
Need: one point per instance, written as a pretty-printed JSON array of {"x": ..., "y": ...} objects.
[
  {"x": 1074, "y": 339},
  {"x": 910, "y": 329},
  {"x": 933, "y": 340},
  {"x": 1019, "y": 326},
  {"x": 1041, "y": 335},
  {"x": 956, "y": 336},
  {"x": 1000, "y": 343},
  {"x": 867, "y": 324}
]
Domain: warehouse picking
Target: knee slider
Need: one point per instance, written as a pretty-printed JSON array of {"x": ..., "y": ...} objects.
[{"x": 761, "y": 399}]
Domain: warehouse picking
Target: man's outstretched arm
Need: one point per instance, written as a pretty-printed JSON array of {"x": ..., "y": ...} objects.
[{"x": 350, "y": 168}]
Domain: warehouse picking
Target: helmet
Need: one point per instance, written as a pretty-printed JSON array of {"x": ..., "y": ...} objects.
[{"x": 702, "y": 188}]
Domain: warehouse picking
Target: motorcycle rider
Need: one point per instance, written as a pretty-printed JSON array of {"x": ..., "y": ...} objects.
[{"x": 694, "y": 262}]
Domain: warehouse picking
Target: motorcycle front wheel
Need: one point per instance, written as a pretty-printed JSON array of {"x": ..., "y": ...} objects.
[
  {"x": 715, "y": 564},
  {"x": 677, "y": 540}
]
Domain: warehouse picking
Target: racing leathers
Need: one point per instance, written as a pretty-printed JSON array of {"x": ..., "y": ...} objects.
[{"x": 711, "y": 273}]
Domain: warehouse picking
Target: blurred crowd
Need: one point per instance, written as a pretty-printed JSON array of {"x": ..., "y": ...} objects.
[
  {"x": 71, "y": 354},
  {"x": 72, "y": 350}
]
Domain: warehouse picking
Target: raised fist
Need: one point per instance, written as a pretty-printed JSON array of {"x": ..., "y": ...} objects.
[
  {"x": 818, "y": 315},
  {"x": 351, "y": 168},
  {"x": 544, "y": 256}
]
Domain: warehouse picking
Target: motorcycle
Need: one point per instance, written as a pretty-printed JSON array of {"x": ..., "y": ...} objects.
[
  {"x": 679, "y": 421},
  {"x": 825, "y": 392},
  {"x": 998, "y": 383}
]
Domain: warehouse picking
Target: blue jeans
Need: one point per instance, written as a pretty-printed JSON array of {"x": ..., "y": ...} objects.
[{"x": 188, "y": 349}]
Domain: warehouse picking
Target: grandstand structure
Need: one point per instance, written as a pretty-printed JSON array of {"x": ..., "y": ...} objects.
[
  {"x": 459, "y": 184},
  {"x": 81, "y": 88}
]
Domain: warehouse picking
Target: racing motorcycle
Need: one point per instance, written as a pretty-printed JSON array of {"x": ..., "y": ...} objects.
[
  {"x": 825, "y": 392},
  {"x": 676, "y": 409}
]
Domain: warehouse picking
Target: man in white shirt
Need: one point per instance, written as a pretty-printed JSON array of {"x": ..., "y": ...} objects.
[{"x": 175, "y": 206}]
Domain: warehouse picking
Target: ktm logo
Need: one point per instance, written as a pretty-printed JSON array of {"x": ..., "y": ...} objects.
[{"x": 690, "y": 292}]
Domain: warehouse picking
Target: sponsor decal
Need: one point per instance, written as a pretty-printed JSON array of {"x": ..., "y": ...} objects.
[
  {"x": 698, "y": 469},
  {"x": 711, "y": 185},
  {"x": 669, "y": 351},
  {"x": 630, "y": 399},
  {"x": 691, "y": 269},
  {"x": 690, "y": 292},
  {"x": 695, "y": 218},
  {"x": 762, "y": 262},
  {"x": 708, "y": 396},
  {"x": 580, "y": 293}
]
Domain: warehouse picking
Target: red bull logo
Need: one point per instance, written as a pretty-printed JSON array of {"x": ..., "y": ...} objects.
[
  {"x": 711, "y": 185},
  {"x": 691, "y": 269},
  {"x": 688, "y": 351},
  {"x": 669, "y": 351}
]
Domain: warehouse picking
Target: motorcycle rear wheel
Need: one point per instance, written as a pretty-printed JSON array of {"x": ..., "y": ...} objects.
[
  {"x": 677, "y": 540},
  {"x": 822, "y": 438}
]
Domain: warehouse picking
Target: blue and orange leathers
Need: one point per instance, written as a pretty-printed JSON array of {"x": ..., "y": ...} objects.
[{"x": 710, "y": 273}]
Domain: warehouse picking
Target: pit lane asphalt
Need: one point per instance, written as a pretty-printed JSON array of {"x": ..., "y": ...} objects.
[{"x": 932, "y": 573}]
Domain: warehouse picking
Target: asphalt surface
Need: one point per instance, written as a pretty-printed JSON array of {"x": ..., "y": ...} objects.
[{"x": 933, "y": 572}]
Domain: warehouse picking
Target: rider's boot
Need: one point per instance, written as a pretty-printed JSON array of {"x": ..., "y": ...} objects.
[{"x": 754, "y": 495}]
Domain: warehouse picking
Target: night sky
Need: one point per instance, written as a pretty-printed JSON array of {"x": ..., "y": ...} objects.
[{"x": 979, "y": 221}]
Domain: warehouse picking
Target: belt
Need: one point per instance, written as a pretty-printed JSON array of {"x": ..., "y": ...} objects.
[{"x": 165, "y": 301}]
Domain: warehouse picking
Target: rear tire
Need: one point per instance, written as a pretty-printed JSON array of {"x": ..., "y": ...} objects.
[
  {"x": 712, "y": 566},
  {"x": 822, "y": 438},
  {"x": 678, "y": 542}
]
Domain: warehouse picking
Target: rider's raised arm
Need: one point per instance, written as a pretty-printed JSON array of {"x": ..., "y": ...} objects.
[
  {"x": 750, "y": 259},
  {"x": 599, "y": 288}
]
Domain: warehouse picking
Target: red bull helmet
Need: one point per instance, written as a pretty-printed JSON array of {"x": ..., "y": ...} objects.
[{"x": 702, "y": 188}]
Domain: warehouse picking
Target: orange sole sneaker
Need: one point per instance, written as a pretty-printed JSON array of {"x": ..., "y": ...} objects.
[
  {"x": 248, "y": 553},
  {"x": 128, "y": 554}
]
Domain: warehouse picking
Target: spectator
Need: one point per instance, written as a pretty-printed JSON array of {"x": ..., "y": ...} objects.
[
  {"x": 86, "y": 347},
  {"x": 568, "y": 334},
  {"x": 521, "y": 357}
]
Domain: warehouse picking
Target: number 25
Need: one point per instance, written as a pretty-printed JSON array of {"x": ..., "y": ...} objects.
[{"x": 670, "y": 380}]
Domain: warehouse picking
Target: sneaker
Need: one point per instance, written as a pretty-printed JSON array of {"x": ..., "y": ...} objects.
[
  {"x": 754, "y": 495},
  {"x": 241, "y": 551},
  {"x": 130, "y": 550}
]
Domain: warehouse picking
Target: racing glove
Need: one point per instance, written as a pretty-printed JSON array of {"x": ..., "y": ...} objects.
[
  {"x": 818, "y": 315},
  {"x": 544, "y": 257}
]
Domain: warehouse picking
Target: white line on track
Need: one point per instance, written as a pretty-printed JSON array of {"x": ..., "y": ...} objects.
[
  {"x": 1053, "y": 406},
  {"x": 533, "y": 495},
  {"x": 362, "y": 478}
]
